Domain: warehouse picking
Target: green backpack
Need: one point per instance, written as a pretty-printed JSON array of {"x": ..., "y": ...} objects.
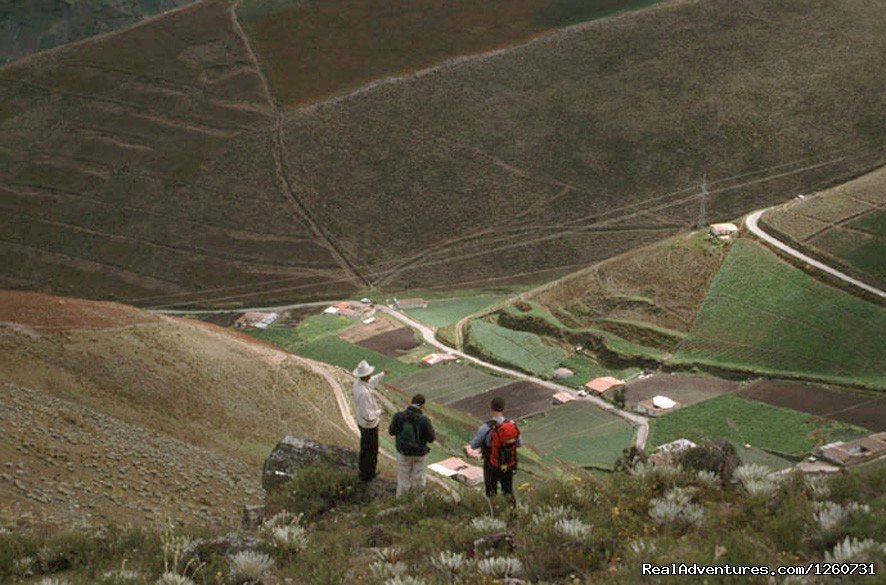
[{"x": 408, "y": 440}]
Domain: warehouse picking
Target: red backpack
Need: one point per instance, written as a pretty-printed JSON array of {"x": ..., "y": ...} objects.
[{"x": 503, "y": 446}]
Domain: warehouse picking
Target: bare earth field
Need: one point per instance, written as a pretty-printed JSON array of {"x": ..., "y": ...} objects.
[
  {"x": 592, "y": 141},
  {"x": 864, "y": 411},
  {"x": 684, "y": 389},
  {"x": 522, "y": 399},
  {"x": 141, "y": 166},
  {"x": 194, "y": 402},
  {"x": 392, "y": 343},
  {"x": 844, "y": 226}
]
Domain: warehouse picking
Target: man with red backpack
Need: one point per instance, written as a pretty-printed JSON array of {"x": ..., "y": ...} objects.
[{"x": 497, "y": 439}]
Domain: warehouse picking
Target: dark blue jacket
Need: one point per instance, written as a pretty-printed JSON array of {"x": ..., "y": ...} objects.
[{"x": 425, "y": 428}]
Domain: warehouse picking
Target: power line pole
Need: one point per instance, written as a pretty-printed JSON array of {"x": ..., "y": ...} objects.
[{"x": 703, "y": 203}]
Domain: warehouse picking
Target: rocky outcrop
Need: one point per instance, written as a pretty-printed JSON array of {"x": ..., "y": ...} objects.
[{"x": 295, "y": 453}]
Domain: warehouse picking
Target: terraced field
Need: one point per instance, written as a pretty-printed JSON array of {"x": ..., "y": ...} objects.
[
  {"x": 517, "y": 348},
  {"x": 141, "y": 166},
  {"x": 450, "y": 382},
  {"x": 745, "y": 421},
  {"x": 763, "y": 315},
  {"x": 845, "y": 226},
  {"x": 581, "y": 434}
]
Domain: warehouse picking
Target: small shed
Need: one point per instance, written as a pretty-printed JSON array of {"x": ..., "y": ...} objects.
[
  {"x": 459, "y": 470},
  {"x": 411, "y": 303},
  {"x": 604, "y": 384},
  {"x": 723, "y": 230},
  {"x": 563, "y": 397},
  {"x": 656, "y": 405},
  {"x": 433, "y": 359},
  {"x": 255, "y": 319},
  {"x": 561, "y": 373}
]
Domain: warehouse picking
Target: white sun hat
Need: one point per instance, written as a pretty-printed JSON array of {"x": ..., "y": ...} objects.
[{"x": 363, "y": 369}]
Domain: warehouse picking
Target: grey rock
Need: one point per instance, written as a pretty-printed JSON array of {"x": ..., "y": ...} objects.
[
  {"x": 295, "y": 453},
  {"x": 253, "y": 516}
]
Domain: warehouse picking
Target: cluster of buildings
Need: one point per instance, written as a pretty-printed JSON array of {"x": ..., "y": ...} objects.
[{"x": 363, "y": 310}]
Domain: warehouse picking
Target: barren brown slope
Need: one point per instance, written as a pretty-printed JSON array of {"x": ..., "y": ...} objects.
[
  {"x": 142, "y": 164},
  {"x": 593, "y": 141},
  {"x": 201, "y": 401}
]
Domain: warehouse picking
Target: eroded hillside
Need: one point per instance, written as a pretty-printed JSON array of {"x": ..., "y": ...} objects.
[{"x": 109, "y": 411}]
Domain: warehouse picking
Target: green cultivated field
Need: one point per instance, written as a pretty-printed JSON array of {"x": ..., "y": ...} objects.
[
  {"x": 309, "y": 329},
  {"x": 450, "y": 383},
  {"x": 745, "y": 421},
  {"x": 519, "y": 348},
  {"x": 844, "y": 226},
  {"x": 336, "y": 351},
  {"x": 765, "y": 316},
  {"x": 580, "y": 433},
  {"x": 447, "y": 311}
]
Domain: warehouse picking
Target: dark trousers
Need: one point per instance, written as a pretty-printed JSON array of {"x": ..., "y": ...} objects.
[
  {"x": 493, "y": 476},
  {"x": 368, "y": 453}
]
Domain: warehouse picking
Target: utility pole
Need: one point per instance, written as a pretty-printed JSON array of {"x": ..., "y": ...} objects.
[{"x": 703, "y": 203}]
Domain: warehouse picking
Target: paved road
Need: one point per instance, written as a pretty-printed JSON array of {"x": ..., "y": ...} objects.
[
  {"x": 428, "y": 334},
  {"x": 751, "y": 221}
]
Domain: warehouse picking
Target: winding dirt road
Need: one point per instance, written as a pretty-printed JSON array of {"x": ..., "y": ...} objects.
[{"x": 427, "y": 333}]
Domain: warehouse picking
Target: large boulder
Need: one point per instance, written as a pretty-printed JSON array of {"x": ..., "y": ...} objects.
[{"x": 295, "y": 453}]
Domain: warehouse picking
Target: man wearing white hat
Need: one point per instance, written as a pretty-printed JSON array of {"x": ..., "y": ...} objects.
[{"x": 368, "y": 416}]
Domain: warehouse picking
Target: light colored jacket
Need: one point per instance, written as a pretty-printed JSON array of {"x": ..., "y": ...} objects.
[{"x": 368, "y": 412}]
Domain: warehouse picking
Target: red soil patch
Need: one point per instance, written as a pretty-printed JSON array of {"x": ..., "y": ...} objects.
[
  {"x": 391, "y": 343},
  {"x": 522, "y": 399},
  {"x": 865, "y": 411},
  {"x": 51, "y": 313}
]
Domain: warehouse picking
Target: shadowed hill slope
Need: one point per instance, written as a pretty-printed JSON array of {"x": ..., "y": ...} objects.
[
  {"x": 143, "y": 164},
  {"x": 593, "y": 141},
  {"x": 137, "y": 382},
  {"x": 152, "y": 166}
]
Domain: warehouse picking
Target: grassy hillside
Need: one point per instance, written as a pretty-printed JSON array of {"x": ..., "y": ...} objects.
[
  {"x": 661, "y": 286},
  {"x": 145, "y": 391},
  {"x": 763, "y": 315},
  {"x": 146, "y": 165},
  {"x": 28, "y": 27},
  {"x": 141, "y": 167},
  {"x": 517, "y": 348},
  {"x": 343, "y": 44},
  {"x": 845, "y": 226},
  {"x": 594, "y": 140}
]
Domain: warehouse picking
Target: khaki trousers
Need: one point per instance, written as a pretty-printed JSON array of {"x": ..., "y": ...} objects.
[{"x": 410, "y": 472}]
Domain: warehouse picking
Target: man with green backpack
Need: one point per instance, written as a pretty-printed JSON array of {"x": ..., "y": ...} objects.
[{"x": 413, "y": 431}]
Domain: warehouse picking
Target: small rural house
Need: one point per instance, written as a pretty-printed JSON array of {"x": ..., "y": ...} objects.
[
  {"x": 561, "y": 373},
  {"x": 459, "y": 470},
  {"x": 433, "y": 359},
  {"x": 413, "y": 303},
  {"x": 723, "y": 230},
  {"x": 656, "y": 405},
  {"x": 562, "y": 398},
  {"x": 255, "y": 320},
  {"x": 857, "y": 451},
  {"x": 601, "y": 386}
]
